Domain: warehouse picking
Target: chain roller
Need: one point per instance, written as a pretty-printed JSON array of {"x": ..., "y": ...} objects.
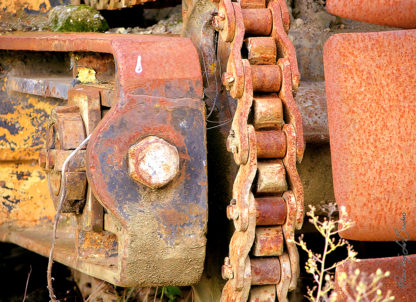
[{"x": 263, "y": 256}]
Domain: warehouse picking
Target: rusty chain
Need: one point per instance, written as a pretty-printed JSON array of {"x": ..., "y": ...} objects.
[{"x": 263, "y": 260}]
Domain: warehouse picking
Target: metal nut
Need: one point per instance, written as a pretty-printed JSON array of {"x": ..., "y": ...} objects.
[
  {"x": 218, "y": 21},
  {"x": 227, "y": 270},
  {"x": 153, "y": 162}
]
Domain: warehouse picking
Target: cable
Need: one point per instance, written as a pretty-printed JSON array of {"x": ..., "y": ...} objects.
[{"x": 57, "y": 216}]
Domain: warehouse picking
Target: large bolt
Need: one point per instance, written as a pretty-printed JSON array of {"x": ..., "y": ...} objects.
[{"x": 153, "y": 162}]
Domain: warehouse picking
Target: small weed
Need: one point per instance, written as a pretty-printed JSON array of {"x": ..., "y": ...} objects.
[
  {"x": 171, "y": 293},
  {"x": 360, "y": 287}
]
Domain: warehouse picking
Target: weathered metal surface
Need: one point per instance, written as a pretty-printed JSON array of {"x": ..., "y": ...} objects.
[
  {"x": 396, "y": 13},
  {"x": 282, "y": 288},
  {"x": 268, "y": 241},
  {"x": 400, "y": 282},
  {"x": 266, "y": 78},
  {"x": 245, "y": 81},
  {"x": 270, "y": 210},
  {"x": 252, "y": 3},
  {"x": 238, "y": 287},
  {"x": 115, "y": 4},
  {"x": 371, "y": 96},
  {"x": 281, "y": 23},
  {"x": 88, "y": 100},
  {"x": 294, "y": 181},
  {"x": 56, "y": 87},
  {"x": 32, "y": 6},
  {"x": 257, "y": 21},
  {"x": 268, "y": 112},
  {"x": 159, "y": 92},
  {"x": 311, "y": 100},
  {"x": 263, "y": 294},
  {"x": 161, "y": 220},
  {"x": 153, "y": 162},
  {"x": 126, "y": 50},
  {"x": 291, "y": 223},
  {"x": 102, "y": 63},
  {"x": 261, "y": 50},
  {"x": 23, "y": 122},
  {"x": 292, "y": 113},
  {"x": 65, "y": 132},
  {"x": 265, "y": 270},
  {"x": 271, "y": 144},
  {"x": 28, "y": 204},
  {"x": 271, "y": 177},
  {"x": 93, "y": 214}
]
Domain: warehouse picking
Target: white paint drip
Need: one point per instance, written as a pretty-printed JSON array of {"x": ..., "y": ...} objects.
[{"x": 139, "y": 68}]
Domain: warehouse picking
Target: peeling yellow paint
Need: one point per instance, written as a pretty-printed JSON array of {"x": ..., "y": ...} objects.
[
  {"x": 26, "y": 138},
  {"x": 3, "y": 87},
  {"x": 86, "y": 75},
  {"x": 212, "y": 68},
  {"x": 24, "y": 194},
  {"x": 13, "y": 6}
]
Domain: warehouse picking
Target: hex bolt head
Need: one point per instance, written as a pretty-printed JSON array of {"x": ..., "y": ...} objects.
[{"x": 153, "y": 162}]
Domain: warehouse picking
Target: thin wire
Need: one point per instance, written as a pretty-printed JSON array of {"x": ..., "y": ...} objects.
[
  {"x": 216, "y": 82},
  {"x": 218, "y": 122},
  {"x": 57, "y": 216},
  {"x": 220, "y": 125}
]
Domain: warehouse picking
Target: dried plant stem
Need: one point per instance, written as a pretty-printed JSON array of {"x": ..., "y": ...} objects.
[{"x": 27, "y": 283}]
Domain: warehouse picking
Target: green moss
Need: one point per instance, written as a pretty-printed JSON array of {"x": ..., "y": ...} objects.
[{"x": 76, "y": 18}]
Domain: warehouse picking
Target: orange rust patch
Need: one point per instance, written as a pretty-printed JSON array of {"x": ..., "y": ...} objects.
[{"x": 173, "y": 217}]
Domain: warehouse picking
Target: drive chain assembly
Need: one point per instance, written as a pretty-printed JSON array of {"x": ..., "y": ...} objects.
[{"x": 266, "y": 140}]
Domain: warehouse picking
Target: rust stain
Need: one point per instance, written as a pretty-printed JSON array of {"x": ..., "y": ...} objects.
[{"x": 96, "y": 245}]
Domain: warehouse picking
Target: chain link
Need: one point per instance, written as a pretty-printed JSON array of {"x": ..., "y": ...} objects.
[{"x": 260, "y": 265}]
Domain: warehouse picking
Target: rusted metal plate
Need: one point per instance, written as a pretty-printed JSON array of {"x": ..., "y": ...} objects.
[
  {"x": 396, "y": 13},
  {"x": 371, "y": 96},
  {"x": 158, "y": 217},
  {"x": 135, "y": 57},
  {"x": 55, "y": 87},
  {"x": 401, "y": 281}
]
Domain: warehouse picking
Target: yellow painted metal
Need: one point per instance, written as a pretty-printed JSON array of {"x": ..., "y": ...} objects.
[
  {"x": 13, "y": 6},
  {"x": 24, "y": 193}
]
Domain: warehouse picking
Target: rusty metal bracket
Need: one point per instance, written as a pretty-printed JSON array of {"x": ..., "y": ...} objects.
[{"x": 127, "y": 232}]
